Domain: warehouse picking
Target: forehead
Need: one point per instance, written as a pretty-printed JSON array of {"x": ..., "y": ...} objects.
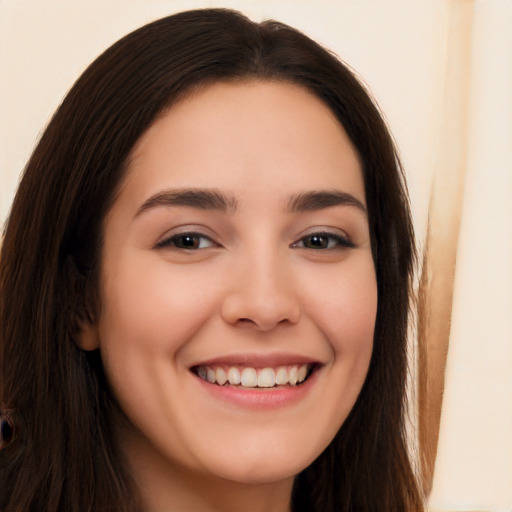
[{"x": 240, "y": 135}]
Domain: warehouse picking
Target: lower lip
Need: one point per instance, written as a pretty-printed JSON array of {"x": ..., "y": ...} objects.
[{"x": 260, "y": 398}]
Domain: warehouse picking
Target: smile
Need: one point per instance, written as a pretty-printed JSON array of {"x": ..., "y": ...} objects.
[{"x": 249, "y": 377}]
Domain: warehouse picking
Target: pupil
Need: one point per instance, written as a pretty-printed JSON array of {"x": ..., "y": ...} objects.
[
  {"x": 316, "y": 241},
  {"x": 188, "y": 242}
]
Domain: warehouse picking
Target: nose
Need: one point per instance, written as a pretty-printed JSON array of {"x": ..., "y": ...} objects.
[{"x": 262, "y": 296}]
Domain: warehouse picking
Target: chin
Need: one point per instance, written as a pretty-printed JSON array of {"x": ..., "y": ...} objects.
[
  {"x": 269, "y": 472},
  {"x": 265, "y": 464}
]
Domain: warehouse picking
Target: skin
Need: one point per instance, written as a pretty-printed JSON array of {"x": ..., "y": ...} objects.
[{"x": 255, "y": 285}]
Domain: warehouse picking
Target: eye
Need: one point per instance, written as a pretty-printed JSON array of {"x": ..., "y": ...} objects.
[
  {"x": 323, "y": 240},
  {"x": 188, "y": 241}
]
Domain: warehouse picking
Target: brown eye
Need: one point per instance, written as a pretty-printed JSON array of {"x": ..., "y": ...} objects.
[
  {"x": 324, "y": 241},
  {"x": 316, "y": 242},
  {"x": 187, "y": 241}
]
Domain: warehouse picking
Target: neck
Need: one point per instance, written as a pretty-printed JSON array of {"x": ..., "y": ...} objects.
[{"x": 165, "y": 486}]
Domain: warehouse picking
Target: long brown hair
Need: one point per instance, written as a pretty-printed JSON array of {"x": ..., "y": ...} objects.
[{"x": 63, "y": 456}]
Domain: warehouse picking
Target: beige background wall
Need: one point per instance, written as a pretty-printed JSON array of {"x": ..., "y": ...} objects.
[{"x": 441, "y": 71}]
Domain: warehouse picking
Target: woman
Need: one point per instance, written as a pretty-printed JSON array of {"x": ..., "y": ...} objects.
[{"x": 205, "y": 284}]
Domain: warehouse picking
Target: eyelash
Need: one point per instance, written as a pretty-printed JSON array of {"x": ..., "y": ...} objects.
[
  {"x": 171, "y": 241},
  {"x": 340, "y": 242}
]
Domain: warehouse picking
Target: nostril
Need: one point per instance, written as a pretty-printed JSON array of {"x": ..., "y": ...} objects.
[
  {"x": 246, "y": 322},
  {"x": 247, "y": 308}
]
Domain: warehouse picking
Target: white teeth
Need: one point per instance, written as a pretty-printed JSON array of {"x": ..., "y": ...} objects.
[
  {"x": 221, "y": 376},
  {"x": 266, "y": 378},
  {"x": 292, "y": 375},
  {"x": 250, "y": 377},
  {"x": 281, "y": 376},
  {"x": 302, "y": 373},
  {"x": 234, "y": 376},
  {"x": 210, "y": 375}
]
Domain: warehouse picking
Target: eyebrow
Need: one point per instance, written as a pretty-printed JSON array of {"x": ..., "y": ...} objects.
[
  {"x": 203, "y": 199},
  {"x": 318, "y": 200},
  {"x": 212, "y": 199}
]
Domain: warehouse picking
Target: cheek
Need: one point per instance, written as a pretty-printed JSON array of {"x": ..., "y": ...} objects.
[
  {"x": 150, "y": 312},
  {"x": 154, "y": 309},
  {"x": 346, "y": 312},
  {"x": 353, "y": 339},
  {"x": 346, "y": 308},
  {"x": 148, "y": 315}
]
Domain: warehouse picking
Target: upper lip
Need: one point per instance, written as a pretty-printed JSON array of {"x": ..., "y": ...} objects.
[{"x": 257, "y": 360}]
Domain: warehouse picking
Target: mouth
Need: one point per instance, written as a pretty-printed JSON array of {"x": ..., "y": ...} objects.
[{"x": 243, "y": 376}]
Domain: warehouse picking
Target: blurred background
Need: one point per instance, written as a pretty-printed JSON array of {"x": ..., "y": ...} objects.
[{"x": 441, "y": 72}]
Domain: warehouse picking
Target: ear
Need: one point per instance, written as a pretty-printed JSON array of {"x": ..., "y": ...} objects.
[
  {"x": 88, "y": 336},
  {"x": 83, "y": 325}
]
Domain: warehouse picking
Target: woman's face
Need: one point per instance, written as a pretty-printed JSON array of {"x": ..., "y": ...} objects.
[{"x": 237, "y": 250}]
